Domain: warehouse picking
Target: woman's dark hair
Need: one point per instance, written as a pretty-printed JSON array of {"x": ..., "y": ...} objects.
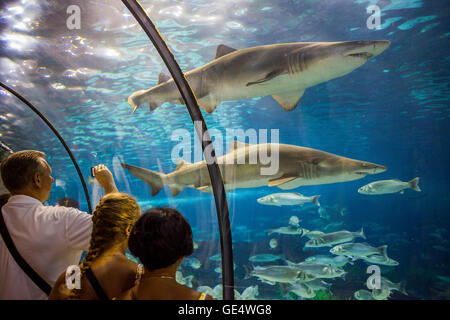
[{"x": 160, "y": 237}]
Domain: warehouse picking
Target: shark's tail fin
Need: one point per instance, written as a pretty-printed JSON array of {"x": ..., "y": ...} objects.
[
  {"x": 152, "y": 178},
  {"x": 383, "y": 251},
  {"x": 247, "y": 272},
  {"x": 361, "y": 234},
  {"x": 315, "y": 200},
  {"x": 402, "y": 289},
  {"x": 414, "y": 184}
]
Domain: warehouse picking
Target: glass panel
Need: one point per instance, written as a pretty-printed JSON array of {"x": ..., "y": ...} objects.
[{"x": 367, "y": 101}]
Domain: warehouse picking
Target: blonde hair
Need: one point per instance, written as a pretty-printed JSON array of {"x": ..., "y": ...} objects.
[{"x": 112, "y": 216}]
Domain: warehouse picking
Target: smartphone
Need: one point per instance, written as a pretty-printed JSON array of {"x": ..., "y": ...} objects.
[{"x": 92, "y": 172}]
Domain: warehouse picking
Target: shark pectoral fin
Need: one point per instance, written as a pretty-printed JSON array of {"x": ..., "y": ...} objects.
[
  {"x": 204, "y": 189},
  {"x": 269, "y": 76},
  {"x": 223, "y": 50},
  {"x": 208, "y": 106},
  {"x": 288, "y": 101},
  {"x": 176, "y": 189},
  {"x": 277, "y": 182}
]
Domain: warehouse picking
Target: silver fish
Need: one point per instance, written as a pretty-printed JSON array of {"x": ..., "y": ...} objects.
[
  {"x": 288, "y": 199},
  {"x": 330, "y": 239},
  {"x": 389, "y": 186},
  {"x": 358, "y": 250}
]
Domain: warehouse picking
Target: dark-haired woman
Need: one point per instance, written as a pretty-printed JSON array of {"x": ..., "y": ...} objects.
[
  {"x": 161, "y": 239},
  {"x": 105, "y": 270}
]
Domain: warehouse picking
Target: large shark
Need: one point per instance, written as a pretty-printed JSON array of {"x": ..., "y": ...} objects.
[
  {"x": 242, "y": 167},
  {"x": 283, "y": 71}
]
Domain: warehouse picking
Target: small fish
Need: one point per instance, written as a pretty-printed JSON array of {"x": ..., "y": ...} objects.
[
  {"x": 206, "y": 290},
  {"x": 335, "y": 261},
  {"x": 313, "y": 234},
  {"x": 284, "y": 274},
  {"x": 250, "y": 293},
  {"x": 363, "y": 295},
  {"x": 358, "y": 250},
  {"x": 192, "y": 262},
  {"x": 444, "y": 278},
  {"x": 400, "y": 286},
  {"x": 273, "y": 243},
  {"x": 216, "y": 257},
  {"x": 389, "y": 186},
  {"x": 319, "y": 284},
  {"x": 381, "y": 294},
  {"x": 318, "y": 269},
  {"x": 288, "y": 199},
  {"x": 294, "y": 221},
  {"x": 323, "y": 213},
  {"x": 288, "y": 230},
  {"x": 265, "y": 257},
  {"x": 300, "y": 289},
  {"x": 330, "y": 239},
  {"x": 381, "y": 260},
  {"x": 184, "y": 280}
]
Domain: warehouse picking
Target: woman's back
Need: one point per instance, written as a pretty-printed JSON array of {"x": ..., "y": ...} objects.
[
  {"x": 115, "y": 275},
  {"x": 161, "y": 289}
]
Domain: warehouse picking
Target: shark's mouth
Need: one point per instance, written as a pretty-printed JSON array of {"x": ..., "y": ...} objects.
[
  {"x": 361, "y": 173},
  {"x": 363, "y": 55}
]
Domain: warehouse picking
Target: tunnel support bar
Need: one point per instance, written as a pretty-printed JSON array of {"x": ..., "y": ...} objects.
[
  {"x": 49, "y": 124},
  {"x": 214, "y": 172}
]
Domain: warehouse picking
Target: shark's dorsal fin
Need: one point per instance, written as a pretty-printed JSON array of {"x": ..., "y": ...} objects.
[
  {"x": 288, "y": 101},
  {"x": 277, "y": 182},
  {"x": 236, "y": 145},
  {"x": 181, "y": 163},
  {"x": 163, "y": 78},
  {"x": 223, "y": 50}
]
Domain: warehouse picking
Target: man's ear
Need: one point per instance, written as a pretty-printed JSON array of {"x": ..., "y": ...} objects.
[{"x": 36, "y": 179}]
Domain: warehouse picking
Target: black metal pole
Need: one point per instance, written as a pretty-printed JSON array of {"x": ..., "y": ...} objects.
[
  {"x": 202, "y": 132},
  {"x": 49, "y": 124}
]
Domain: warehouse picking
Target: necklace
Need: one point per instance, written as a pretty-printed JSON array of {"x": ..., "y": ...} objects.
[{"x": 161, "y": 276}]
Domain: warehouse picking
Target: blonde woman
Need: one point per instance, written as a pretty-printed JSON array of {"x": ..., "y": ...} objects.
[{"x": 105, "y": 270}]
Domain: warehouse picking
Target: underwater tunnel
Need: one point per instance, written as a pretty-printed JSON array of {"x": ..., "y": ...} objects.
[{"x": 304, "y": 141}]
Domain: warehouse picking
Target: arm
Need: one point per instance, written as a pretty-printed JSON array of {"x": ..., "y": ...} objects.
[{"x": 105, "y": 178}]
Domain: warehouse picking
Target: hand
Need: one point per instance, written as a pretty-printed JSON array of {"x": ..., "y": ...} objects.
[{"x": 105, "y": 178}]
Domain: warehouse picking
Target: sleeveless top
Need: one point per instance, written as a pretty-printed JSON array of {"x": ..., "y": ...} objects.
[{"x": 96, "y": 285}]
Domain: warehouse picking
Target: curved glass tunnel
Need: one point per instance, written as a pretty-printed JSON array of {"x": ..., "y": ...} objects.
[{"x": 392, "y": 110}]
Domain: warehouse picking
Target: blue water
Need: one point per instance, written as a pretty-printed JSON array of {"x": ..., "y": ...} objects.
[{"x": 394, "y": 111}]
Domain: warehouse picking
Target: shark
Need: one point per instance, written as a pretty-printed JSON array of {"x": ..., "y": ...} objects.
[
  {"x": 282, "y": 71},
  {"x": 242, "y": 167}
]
